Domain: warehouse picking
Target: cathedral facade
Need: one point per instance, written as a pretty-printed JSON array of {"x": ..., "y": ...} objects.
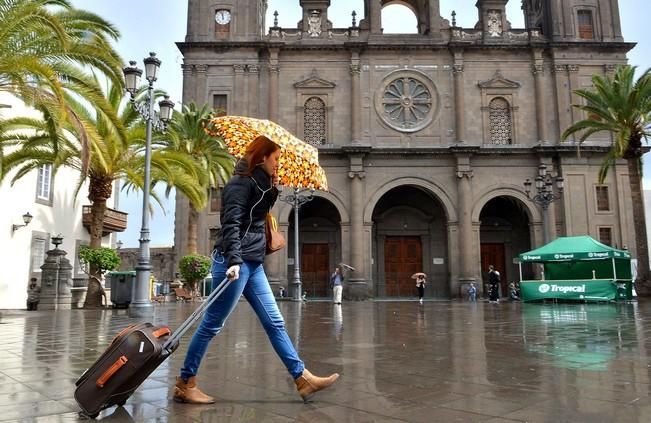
[{"x": 427, "y": 139}]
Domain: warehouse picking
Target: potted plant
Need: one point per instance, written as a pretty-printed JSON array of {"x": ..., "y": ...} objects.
[
  {"x": 194, "y": 268},
  {"x": 103, "y": 260}
]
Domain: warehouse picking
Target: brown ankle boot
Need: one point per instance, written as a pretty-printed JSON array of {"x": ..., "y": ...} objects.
[
  {"x": 190, "y": 393},
  {"x": 307, "y": 384}
]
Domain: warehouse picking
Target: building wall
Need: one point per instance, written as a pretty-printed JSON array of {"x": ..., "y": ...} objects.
[
  {"x": 448, "y": 154},
  {"x": 63, "y": 216}
]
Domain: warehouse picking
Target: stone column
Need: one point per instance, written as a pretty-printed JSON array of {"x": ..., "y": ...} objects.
[
  {"x": 563, "y": 112},
  {"x": 466, "y": 245},
  {"x": 239, "y": 102},
  {"x": 616, "y": 21},
  {"x": 274, "y": 73},
  {"x": 355, "y": 124},
  {"x": 357, "y": 285},
  {"x": 574, "y": 84},
  {"x": 459, "y": 103},
  {"x": 557, "y": 19},
  {"x": 56, "y": 281},
  {"x": 202, "y": 87},
  {"x": 537, "y": 70},
  {"x": 434, "y": 18},
  {"x": 188, "y": 84},
  {"x": 254, "y": 93},
  {"x": 376, "y": 17}
]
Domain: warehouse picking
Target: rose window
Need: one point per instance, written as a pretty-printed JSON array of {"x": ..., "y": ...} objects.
[{"x": 406, "y": 103}]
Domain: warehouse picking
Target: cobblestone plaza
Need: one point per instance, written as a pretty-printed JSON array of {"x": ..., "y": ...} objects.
[{"x": 440, "y": 362}]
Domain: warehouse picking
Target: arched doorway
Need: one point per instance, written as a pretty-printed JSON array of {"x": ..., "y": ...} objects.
[
  {"x": 320, "y": 245},
  {"x": 504, "y": 233},
  {"x": 409, "y": 235}
]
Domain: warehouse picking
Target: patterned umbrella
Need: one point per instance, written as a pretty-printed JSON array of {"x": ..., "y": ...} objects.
[{"x": 298, "y": 166}]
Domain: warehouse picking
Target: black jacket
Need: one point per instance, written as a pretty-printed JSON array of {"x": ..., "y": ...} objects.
[{"x": 245, "y": 203}]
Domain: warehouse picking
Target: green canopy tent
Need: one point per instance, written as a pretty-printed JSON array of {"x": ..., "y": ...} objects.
[{"x": 578, "y": 268}]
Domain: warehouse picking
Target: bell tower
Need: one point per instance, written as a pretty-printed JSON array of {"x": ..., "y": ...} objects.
[
  {"x": 226, "y": 20},
  {"x": 575, "y": 20}
]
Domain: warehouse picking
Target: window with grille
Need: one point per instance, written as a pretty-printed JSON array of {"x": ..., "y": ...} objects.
[
  {"x": 603, "y": 202},
  {"x": 314, "y": 121},
  {"x": 499, "y": 115},
  {"x": 44, "y": 183},
  {"x": 586, "y": 31},
  {"x": 220, "y": 104},
  {"x": 215, "y": 200},
  {"x": 606, "y": 236}
]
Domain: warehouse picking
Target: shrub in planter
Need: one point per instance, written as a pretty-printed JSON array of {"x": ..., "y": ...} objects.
[
  {"x": 194, "y": 268},
  {"x": 101, "y": 260}
]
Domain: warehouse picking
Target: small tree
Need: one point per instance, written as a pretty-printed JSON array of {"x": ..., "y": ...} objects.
[
  {"x": 103, "y": 259},
  {"x": 193, "y": 268}
]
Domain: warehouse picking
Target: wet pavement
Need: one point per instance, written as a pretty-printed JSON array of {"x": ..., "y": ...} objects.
[{"x": 399, "y": 361}]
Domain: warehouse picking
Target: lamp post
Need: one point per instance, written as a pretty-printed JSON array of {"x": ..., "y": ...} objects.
[
  {"x": 296, "y": 200},
  {"x": 544, "y": 194},
  {"x": 140, "y": 304}
]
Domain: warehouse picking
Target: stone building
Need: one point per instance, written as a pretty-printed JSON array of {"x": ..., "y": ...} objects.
[{"x": 426, "y": 139}]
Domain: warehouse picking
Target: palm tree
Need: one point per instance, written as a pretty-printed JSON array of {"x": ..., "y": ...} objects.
[
  {"x": 45, "y": 44},
  {"x": 187, "y": 136},
  {"x": 622, "y": 106},
  {"x": 41, "y": 38},
  {"x": 115, "y": 152}
]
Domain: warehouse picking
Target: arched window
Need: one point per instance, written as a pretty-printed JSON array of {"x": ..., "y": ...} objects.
[
  {"x": 314, "y": 121},
  {"x": 501, "y": 127}
]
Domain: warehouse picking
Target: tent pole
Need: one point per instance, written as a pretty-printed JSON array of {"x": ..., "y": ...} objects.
[
  {"x": 520, "y": 268},
  {"x": 614, "y": 270}
]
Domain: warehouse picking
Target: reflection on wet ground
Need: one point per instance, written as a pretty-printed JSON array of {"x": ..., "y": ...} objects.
[{"x": 399, "y": 361}]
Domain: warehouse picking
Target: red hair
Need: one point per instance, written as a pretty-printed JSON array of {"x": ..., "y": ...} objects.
[{"x": 257, "y": 150}]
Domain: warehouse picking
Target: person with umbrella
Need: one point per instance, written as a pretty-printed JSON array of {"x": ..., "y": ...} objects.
[
  {"x": 336, "y": 284},
  {"x": 420, "y": 284},
  {"x": 239, "y": 255}
]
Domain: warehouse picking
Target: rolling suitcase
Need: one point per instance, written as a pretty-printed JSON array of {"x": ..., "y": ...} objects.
[{"x": 132, "y": 356}]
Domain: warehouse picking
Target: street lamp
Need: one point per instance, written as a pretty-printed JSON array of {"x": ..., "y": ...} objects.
[
  {"x": 140, "y": 302},
  {"x": 296, "y": 200},
  {"x": 544, "y": 194}
]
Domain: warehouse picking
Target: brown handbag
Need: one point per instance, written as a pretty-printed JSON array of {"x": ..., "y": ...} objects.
[{"x": 275, "y": 240}]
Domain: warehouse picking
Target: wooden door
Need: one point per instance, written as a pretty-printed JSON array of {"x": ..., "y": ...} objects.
[
  {"x": 315, "y": 270},
  {"x": 493, "y": 253},
  {"x": 403, "y": 256}
]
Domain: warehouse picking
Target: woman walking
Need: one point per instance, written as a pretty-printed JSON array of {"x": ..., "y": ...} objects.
[{"x": 239, "y": 254}]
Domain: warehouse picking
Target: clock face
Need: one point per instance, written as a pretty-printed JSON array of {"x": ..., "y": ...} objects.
[{"x": 222, "y": 17}]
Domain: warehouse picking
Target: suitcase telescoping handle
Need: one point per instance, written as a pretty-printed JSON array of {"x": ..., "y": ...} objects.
[{"x": 173, "y": 340}]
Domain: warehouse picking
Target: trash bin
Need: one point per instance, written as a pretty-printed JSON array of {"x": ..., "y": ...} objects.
[{"x": 122, "y": 284}]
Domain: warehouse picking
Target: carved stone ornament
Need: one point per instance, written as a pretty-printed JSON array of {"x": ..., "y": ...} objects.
[
  {"x": 314, "y": 24},
  {"x": 407, "y": 101},
  {"x": 494, "y": 25}
]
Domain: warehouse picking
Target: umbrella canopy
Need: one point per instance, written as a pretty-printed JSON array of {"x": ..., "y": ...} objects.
[
  {"x": 298, "y": 166},
  {"x": 347, "y": 266},
  {"x": 416, "y": 275}
]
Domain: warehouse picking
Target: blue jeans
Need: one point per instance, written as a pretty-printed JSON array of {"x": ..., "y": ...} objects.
[{"x": 253, "y": 284}]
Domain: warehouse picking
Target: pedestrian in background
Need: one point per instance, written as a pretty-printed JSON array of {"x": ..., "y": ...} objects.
[
  {"x": 33, "y": 294},
  {"x": 472, "y": 293},
  {"x": 420, "y": 285},
  {"x": 336, "y": 284},
  {"x": 493, "y": 282}
]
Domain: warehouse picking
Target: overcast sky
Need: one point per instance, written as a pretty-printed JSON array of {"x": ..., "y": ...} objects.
[{"x": 155, "y": 25}]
